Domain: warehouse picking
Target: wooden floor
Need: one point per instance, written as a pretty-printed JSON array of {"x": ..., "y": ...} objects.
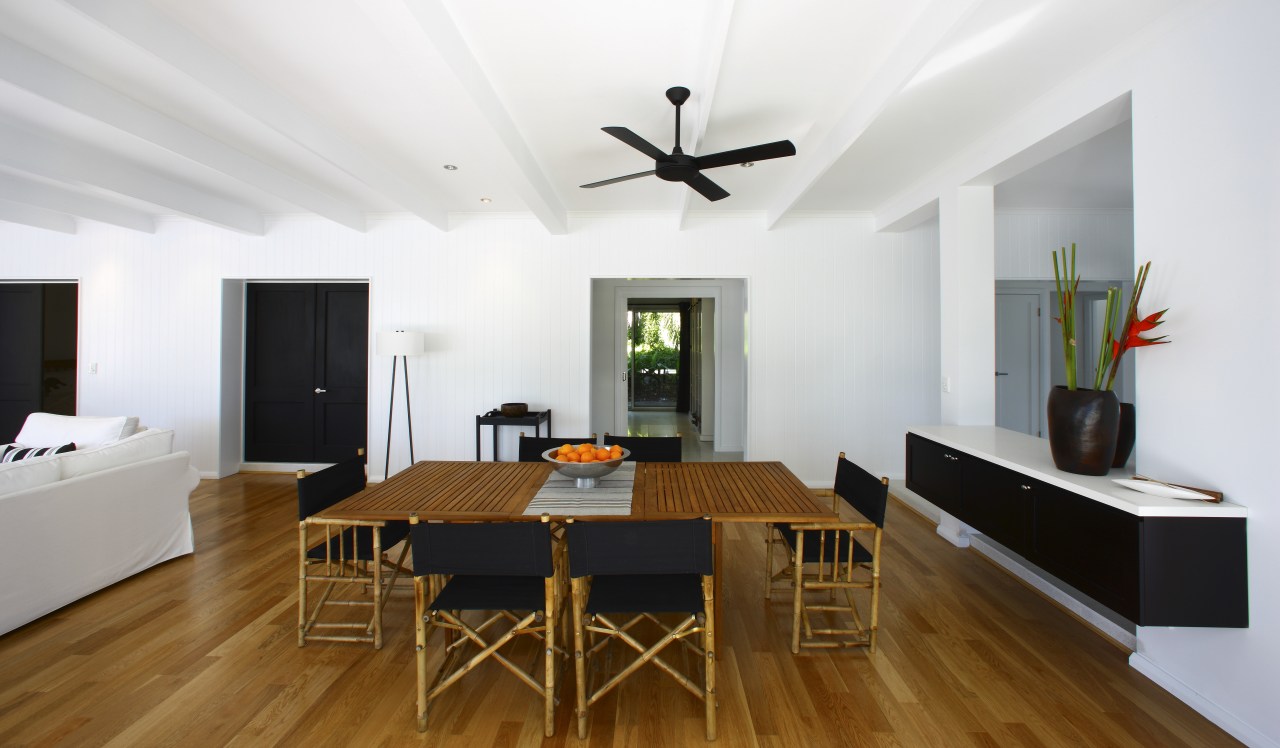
[{"x": 202, "y": 651}]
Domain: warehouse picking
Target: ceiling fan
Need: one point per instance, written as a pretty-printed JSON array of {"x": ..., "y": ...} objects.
[{"x": 681, "y": 167}]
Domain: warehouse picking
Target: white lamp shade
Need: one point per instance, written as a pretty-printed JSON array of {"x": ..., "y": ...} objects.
[{"x": 401, "y": 343}]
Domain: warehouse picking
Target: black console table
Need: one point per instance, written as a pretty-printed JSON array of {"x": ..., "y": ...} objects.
[
  {"x": 1154, "y": 561},
  {"x": 534, "y": 419}
]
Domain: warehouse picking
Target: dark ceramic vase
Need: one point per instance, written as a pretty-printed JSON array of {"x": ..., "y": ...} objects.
[
  {"x": 1126, "y": 435},
  {"x": 1083, "y": 427}
]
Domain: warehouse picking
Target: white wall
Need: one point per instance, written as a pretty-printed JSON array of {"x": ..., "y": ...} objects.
[
  {"x": 1207, "y": 213},
  {"x": 1206, "y": 200},
  {"x": 1025, "y": 239},
  {"x": 842, "y": 323}
]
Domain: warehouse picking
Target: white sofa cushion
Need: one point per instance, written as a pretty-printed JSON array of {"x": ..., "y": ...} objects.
[
  {"x": 19, "y": 476},
  {"x": 141, "y": 446},
  {"x": 43, "y": 429}
]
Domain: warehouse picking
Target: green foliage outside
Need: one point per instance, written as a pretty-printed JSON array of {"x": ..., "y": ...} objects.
[{"x": 657, "y": 342}]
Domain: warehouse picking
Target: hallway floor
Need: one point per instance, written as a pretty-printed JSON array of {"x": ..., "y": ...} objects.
[{"x": 670, "y": 423}]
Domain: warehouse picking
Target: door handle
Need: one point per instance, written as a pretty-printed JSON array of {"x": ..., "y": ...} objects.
[
  {"x": 320, "y": 391},
  {"x": 1002, "y": 373},
  {"x": 624, "y": 376}
]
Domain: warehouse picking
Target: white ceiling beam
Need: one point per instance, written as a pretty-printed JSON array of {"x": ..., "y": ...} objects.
[
  {"x": 525, "y": 173},
  {"x": 151, "y": 30},
  {"x": 37, "y": 217},
  {"x": 40, "y": 195},
  {"x": 920, "y": 42},
  {"x": 72, "y": 163},
  {"x": 713, "y": 55},
  {"x": 53, "y": 81}
]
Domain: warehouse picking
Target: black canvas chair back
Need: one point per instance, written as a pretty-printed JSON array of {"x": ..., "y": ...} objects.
[
  {"x": 497, "y": 567},
  {"x": 642, "y": 570},
  {"x": 649, "y": 448},
  {"x": 517, "y": 549},
  {"x": 861, "y": 490},
  {"x": 660, "y": 547},
  {"x": 345, "y": 557},
  {"x": 834, "y": 559},
  {"x": 323, "y": 489},
  {"x": 532, "y": 447}
]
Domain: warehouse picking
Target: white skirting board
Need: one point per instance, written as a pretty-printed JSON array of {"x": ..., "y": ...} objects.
[{"x": 1211, "y": 711}]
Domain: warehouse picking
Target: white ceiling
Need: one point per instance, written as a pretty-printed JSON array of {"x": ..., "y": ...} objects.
[{"x": 228, "y": 111}]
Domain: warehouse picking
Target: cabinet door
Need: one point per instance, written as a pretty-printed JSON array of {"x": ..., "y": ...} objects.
[
  {"x": 935, "y": 472},
  {"x": 999, "y": 503},
  {"x": 1091, "y": 546}
]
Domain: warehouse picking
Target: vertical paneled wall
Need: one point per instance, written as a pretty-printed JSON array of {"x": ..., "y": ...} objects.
[
  {"x": 841, "y": 322},
  {"x": 1026, "y": 239}
]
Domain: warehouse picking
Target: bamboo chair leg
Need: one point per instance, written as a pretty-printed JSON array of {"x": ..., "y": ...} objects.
[
  {"x": 797, "y": 569},
  {"x": 768, "y": 560},
  {"x": 420, "y": 649},
  {"x": 709, "y": 646},
  {"x": 378, "y": 596},
  {"x": 549, "y": 662},
  {"x": 302, "y": 584},
  {"x": 579, "y": 663}
]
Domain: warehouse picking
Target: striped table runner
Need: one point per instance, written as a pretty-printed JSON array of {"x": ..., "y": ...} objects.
[{"x": 611, "y": 496}]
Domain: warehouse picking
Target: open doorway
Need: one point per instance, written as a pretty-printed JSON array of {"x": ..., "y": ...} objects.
[
  {"x": 657, "y": 355},
  {"x": 691, "y": 371}
]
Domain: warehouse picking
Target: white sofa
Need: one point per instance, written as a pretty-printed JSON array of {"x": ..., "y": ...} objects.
[{"x": 74, "y": 523}]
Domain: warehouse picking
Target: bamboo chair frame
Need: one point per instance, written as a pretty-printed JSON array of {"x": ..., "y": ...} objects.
[
  {"x": 839, "y": 576},
  {"x": 546, "y": 624},
  {"x": 603, "y": 630},
  {"x": 344, "y": 569}
]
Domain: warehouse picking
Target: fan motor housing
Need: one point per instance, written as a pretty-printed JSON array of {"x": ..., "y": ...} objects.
[{"x": 678, "y": 167}]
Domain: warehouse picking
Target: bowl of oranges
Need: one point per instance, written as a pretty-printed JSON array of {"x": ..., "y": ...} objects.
[{"x": 586, "y": 463}]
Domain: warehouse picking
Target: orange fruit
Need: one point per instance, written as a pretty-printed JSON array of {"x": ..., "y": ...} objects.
[
  {"x": 571, "y": 457},
  {"x": 587, "y": 457},
  {"x": 584, "y": 448},
  {"x": 561, "y": 458},
  {"x": 565, "y": 449},
  {"x": 602, "y": 454}
]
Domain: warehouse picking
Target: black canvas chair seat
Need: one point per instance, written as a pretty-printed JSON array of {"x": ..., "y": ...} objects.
[
  {"x": 642, "y": 570},
  {"x": 836, "y": 547},
  {"x": 490, "y": 593},
  {"x": 656, "y": 593},
  {"x": 357, "y": 542},
  {"x": 508, "y": 569},
  {"x": 826, "y": 559},
  {"x": 346, "y": 557}
]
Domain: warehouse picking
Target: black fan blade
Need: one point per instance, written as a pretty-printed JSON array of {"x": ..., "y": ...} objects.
[
  {"x": 764, "y": 152},
  {"x": 618, "y": 179},
  {"x": 708, "y": 189},
  {"x": 636, "y": 142}
]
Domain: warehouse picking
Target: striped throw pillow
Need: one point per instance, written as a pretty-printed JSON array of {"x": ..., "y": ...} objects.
[{"x": 15, "y": 452}]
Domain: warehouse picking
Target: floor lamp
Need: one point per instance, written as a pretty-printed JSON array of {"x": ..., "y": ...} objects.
[{"x": 400, "y": 344}]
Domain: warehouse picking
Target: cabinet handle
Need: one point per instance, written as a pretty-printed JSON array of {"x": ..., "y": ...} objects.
[
  {"x": 320, "y": 391},
  {"x": 950, "y": 457},
  {"x": 1025, "y": 487}
]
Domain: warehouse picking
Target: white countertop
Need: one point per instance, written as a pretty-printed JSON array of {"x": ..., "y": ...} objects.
[{"x": 1030, "y": 456}]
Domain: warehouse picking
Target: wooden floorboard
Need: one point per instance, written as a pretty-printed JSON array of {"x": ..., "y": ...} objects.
[{"x": 202, "y": 650}]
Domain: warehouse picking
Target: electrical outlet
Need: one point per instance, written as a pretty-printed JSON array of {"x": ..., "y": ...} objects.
[{"x": 946, "y": 384}]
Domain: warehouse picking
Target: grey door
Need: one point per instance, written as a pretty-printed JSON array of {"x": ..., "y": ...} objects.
[{"x": 1018, "y": 398}]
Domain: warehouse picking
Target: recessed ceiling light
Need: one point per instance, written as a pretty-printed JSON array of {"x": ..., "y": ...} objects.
[
  {"x": 485, "y": 200},
  {"x": 748, "y": 164},
  {"x": 450, "y": 167}
]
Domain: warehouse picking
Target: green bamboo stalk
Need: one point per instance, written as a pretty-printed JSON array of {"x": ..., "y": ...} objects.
[
  {"x": 1106, "y": 349},
  {"x": 1067, "y": 309}
]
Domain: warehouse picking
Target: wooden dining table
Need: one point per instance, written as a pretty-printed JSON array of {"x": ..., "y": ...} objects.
[
  {"x": 757, "y": 492},
  {"x": 501, "y": 491}
]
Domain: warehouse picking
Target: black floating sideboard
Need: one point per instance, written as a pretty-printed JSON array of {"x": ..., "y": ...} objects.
[{"x": 1155, "y": 561}]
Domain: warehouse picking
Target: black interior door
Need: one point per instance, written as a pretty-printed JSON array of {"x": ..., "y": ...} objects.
[
  {"x": 306, "y": 371},
  {"x": 21, "y": 354}
]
